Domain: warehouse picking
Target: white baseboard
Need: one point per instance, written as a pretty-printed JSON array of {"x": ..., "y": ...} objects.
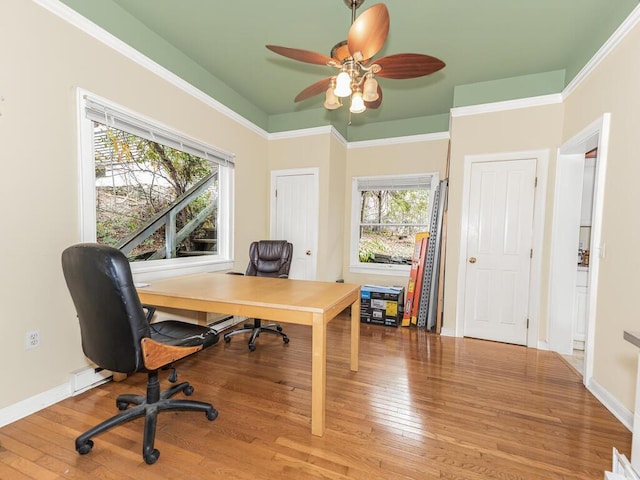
[
  {"x": 447, "y": 332},
  {"x": 621, "y": 412},
  {"x": 543, "y": 345},
  {"x": 34, "y": 404},
  {"x": 79, "y": 381}
]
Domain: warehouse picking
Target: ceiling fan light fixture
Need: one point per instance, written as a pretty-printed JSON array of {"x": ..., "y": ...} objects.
[
  {"x": 357, "y": 102},
  {"x": 354, "y": 58},
  {"x": 343, "y": 84},
  {"x": 370, "y": 89},
  {"x": 331, "y": 102}
]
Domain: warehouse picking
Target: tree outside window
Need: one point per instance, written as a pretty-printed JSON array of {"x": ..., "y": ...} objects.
[
  {"x": 387, "y": 212},
  {"x": 137, "y": 179}
]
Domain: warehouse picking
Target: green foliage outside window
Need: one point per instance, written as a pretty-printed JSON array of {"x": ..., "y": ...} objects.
[
  {"x": 136, "y": 178},
  {"x": 389, "y": 220}
]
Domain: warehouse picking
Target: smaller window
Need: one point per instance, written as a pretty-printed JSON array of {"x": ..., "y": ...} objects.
[{"x": 386, "y": 214}]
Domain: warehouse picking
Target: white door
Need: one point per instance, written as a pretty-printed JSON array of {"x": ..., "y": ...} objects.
[
  {"x": 499, "y": 240},
  {"x": 294, "y": 217}
]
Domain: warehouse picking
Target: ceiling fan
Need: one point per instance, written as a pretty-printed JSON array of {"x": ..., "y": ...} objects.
[{"x": 354, "y": 58}]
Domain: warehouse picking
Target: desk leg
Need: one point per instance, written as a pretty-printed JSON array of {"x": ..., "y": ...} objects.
[
  {"x": 355, "y": 334},
  {"x": 318, "y": 374}
]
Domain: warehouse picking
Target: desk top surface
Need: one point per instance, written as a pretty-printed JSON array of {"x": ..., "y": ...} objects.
[{"x": 301, "y": 295}]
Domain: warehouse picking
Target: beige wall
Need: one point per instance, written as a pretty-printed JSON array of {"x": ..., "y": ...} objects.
[
  {"x": 615, "y": 87},
  {"x": 523, "y": 129},
  {"x": 416, "y": 157},
  {"x": 319, "y": 151},
  {"x": 43, "y": 62},
  {"x": 333, "y": 232}
]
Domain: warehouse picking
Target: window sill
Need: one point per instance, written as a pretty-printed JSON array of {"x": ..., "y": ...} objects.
[
  {"x": 144, "y": 272},
  {"x": 380, "y": 269}
]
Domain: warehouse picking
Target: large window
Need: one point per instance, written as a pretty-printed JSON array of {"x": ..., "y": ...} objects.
[
  {"x": 151, "y": 192},
  {"x": 387, "y": 212}
]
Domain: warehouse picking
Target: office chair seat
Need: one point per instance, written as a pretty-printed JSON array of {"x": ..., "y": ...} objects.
[
  {"x": 267, "y": 258},
  {"x": 117, "y": 335}
]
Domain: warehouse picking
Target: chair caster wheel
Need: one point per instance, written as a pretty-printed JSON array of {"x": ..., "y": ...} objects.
[
  {"x": 212, "y": 415},
  {"x": 227, "y": 339},
  {"x": 122, "y": 405},
  {"x": 285, "y": 339},
  {"x": 85, "y": 447},
  {"x": 188, "y": 390},
  {"x": 252, "y": 347},
  {"x": 152, "y": 457},
  {"x": 279, "y": 328}
]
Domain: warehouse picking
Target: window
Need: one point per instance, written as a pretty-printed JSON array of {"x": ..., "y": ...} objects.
[
  {"x": 386, "y": 214},
  {"x": 160, "y": 197}
]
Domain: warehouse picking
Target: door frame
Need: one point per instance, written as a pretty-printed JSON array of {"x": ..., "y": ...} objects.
[
  {"x": 595, "y": 135},
  {"x": 540, "y": 194},
  {"x": 315, "y": 172}
]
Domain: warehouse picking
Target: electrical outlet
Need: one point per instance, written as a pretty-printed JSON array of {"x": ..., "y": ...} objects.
[{"x": 33, "y": 339}]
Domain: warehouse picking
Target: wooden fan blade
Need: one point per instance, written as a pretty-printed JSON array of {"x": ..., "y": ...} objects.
[
  {"x": 369, "y": 32},
  {"x": 408, "y": 65},
  {"x": 320, "y": 86},
  {"x": 376, "y": 103},
  {"x": 302, "y": 55}
]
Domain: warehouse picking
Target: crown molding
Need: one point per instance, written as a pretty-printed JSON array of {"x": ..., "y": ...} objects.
[
  {"x": 614, "y": 40},
  {"x": 541, "y": 100},
  {"x": 75, "y": 19},
  {"x": 424, "y": 137},
  {"x": 339, "y": 136},
  {"x": 303, "y": 132},
  {"x": 307, "y": 132}
]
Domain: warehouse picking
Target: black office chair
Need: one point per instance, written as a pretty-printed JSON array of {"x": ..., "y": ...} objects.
[
  {"x": 117, "y": 336},
  {"x": 267, "y": 258}
]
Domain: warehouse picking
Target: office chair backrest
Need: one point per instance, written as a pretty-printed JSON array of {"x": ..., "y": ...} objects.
[
  {"x": 112, "y": 320},
  {"x": 270, "y": 258}
]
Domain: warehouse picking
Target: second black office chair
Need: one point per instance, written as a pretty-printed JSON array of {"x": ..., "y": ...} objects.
[{"x": 267, "y": 258}]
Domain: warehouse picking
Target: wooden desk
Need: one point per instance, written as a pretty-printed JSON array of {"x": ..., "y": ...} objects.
[{"x": 282, "y": 300}]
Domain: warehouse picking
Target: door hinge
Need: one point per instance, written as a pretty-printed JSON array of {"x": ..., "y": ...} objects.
[
  {"x": 535, "y": 182},
  {"x": 276, "y": 193},
  {"x": 527, "y": 323},
  {"x": 531, "y": 253}
]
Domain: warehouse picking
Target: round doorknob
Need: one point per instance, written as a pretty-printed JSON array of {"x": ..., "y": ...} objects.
[
  {"x": 308, "y": 252},
  {"x": 472, "y": 259}
]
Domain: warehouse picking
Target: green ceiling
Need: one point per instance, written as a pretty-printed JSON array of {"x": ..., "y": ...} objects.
[{"x": 494, "y": 50}]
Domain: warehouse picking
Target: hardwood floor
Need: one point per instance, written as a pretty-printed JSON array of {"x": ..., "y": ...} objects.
[{"x": 422, "y": 406}]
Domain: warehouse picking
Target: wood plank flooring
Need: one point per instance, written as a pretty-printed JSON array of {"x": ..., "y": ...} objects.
[{"x": 421, "y": 407}]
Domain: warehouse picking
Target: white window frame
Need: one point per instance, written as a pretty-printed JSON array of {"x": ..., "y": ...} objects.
[
  {"x": 355, "y": 265},
  {"x": 154, "y": 269}
]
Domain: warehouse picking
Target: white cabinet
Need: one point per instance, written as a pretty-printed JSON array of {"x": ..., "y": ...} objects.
[{"x": 580, "y": 309}]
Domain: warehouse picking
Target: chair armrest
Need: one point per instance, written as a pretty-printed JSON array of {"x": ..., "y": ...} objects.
[
  {"x": 150, "y": 311},
  {"x": 156, "y": 355}
]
